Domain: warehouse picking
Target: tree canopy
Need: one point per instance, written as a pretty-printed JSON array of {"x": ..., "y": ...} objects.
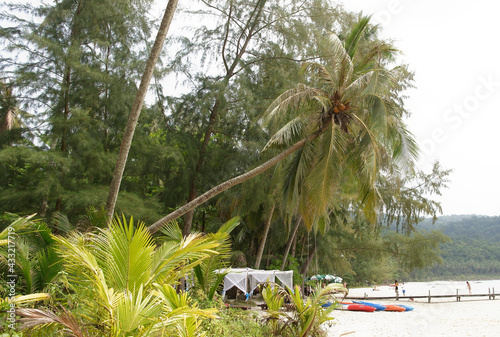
[{"x": 302, "y": 97}]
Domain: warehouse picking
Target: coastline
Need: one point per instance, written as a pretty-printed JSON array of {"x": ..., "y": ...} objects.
[
  {"x": 464, "y": 318},
  {"x": 472, "y": 316}
]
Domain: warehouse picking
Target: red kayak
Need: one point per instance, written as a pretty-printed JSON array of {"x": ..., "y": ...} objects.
[{"x": 357, "y": 307}]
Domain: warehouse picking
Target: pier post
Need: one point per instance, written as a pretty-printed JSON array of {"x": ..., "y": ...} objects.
[
  {"x": 493, "y": 295},
  {"x": 429, "y": 296},
  {"x": 458, "y": 297}
]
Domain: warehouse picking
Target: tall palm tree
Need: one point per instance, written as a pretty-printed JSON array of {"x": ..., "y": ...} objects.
[
  {"x": 341, "y": 126},
  {"x": 352, "y": 94}
]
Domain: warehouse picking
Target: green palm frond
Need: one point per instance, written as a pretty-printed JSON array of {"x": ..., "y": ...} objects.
[
  {"x": 372, "y": 57},
  {"x": 178, "y": 305},
  {"x": 172, "y": 232},
  {"x": 190, "y": 327},
  {"x": 381, "y": 82},
  {"x": 126, "y": 254},
  {"x": 173, "y": 260},
  {"x": 289, "y": 101},
  {"x": 274, "y": 298},
  {"x": 405, "y": 150},
  {"x": 356, "y": 87},
  {"x": 97, "y": 217},
  {"x": 351, "y": 43},
  {"x": 320, "y": 72},
  {"x": 136, "y": 309},
  {"x": 208, "y": 280},
  {"x": 343, "y": 67},
  {"x": 48, "y": 264},
  {"x": 62, "y": 223},
  {"x": 24, "y": 262},
  {"x": 83, "y": 269},
  {"x": 15, "y": 227},
  {"x": 295, "y": 170},
  {"x": 229, "y": 225},
  {"x": 289, "y": 133},
  {"x": 5, "y": 303},
  {"x": 324, "y": 176}
]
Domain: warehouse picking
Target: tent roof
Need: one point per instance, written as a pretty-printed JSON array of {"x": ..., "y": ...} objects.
[{"x": 242, "y": 277}]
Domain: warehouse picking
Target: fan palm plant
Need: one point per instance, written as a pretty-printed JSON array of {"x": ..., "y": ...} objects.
[
  {"x": 125, "y": 283},
  {"x": 310, "y": 314},
  {"x": 307, "y": 314}
]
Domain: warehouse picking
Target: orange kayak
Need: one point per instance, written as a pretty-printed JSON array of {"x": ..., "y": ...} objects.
[{"x": 392, "y": 307}]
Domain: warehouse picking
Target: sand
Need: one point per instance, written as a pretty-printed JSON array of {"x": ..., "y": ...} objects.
[{"x": 443, "y": 317}]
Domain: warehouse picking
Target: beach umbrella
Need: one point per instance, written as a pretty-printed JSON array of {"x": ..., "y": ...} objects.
[{"x": 328, "y": 278}]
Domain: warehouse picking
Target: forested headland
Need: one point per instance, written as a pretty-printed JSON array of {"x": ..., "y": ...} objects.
[
  {"x": 273, "y": 137},
  {"x": 472, "y": 253}
]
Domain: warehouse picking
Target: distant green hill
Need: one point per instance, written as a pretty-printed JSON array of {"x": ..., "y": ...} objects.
[{"x": 474, "y": 251}]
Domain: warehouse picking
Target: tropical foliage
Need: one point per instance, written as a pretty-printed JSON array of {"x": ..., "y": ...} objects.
[
  {"x": 304, "y": 316},
  {"x": 294, "y": 112},
  {"x": 124, "y": 283}
]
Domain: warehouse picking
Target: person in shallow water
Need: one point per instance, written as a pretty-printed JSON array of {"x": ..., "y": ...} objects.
[{"x": 468, "y": 287}]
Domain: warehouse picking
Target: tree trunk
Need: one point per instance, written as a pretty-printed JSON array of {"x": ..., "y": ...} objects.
[
  {"x": 7, "y": 121},
  {"x": 264, "y": 238},
  {"x": 237, "y": 180},
  {"x": 136, "y": 108},
  {"x": 218, "y": 106},
  {"x": 294, "y": 246},
  {"x": 309, "y": 259},
  {"x": 188, "y": 218},
  {"x": 290, "y": 241}
]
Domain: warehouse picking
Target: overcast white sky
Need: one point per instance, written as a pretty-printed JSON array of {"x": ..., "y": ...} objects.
[{"x": 454, "y": 50}]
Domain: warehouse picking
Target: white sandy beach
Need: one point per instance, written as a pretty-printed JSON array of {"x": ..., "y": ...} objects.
[{"x": 441, "y": 317}]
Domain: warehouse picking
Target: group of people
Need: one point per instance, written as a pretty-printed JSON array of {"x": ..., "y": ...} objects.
[{"x": 396, "y": 288}]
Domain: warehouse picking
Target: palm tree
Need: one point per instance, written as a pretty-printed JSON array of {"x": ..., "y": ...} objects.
[
  {"x": 341, "y": 126},
  {"x": 352, "y": 94},
  {"x": 124, "y": 283},
  {"x": 307, "y": 315}
]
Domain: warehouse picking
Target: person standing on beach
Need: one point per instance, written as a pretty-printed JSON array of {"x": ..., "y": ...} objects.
[
  {"x": 468, "y": 287},
  {"x": 346, "y": 291},
  {"x": 396, "y": 289}
]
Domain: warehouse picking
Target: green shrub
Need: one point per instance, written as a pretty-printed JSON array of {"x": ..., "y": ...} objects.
[{"x": 235, "y": 322}]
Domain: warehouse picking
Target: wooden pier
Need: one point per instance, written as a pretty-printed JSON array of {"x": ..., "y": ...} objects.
[{"x": 491, "y": 296}]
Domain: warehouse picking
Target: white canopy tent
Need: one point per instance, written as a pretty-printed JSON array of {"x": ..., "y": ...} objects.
[{"x": 247, "y": 279}]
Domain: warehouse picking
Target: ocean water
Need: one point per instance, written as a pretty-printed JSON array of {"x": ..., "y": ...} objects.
[{"x": 434, "y": 287}]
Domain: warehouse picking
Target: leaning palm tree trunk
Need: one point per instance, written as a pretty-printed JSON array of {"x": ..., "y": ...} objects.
[
  {"x": 136, "y": 109},
  {"x": 264, "y": 238},
  {"x": 237, "y": 180},
  {"x": 310, "y": 256},
  {"x": 290, "y": 241}
]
